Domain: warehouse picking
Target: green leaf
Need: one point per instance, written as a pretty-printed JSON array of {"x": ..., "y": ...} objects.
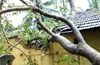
[
  {"x": 76, "y": 21},
  {"x": 9, "y": 6},
  {"x": 34, "y": 7},
  {"x": 56, "y": 7},
  {"x": 50, "y": 44},
  {"x": 15, "y": 13},
  {"x": 59, "y": 55},
  {"x": 24, "y": 59},
  {"x": 66, "y": 55},
  {"x": 31, "y": 8},
  {"x": 70, "y": 62},
  {"x": 57, "y": 61},
  {"x": 31, "y": 16}
]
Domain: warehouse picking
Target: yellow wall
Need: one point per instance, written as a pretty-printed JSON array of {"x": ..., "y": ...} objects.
[{"x": 91, "y": 37}]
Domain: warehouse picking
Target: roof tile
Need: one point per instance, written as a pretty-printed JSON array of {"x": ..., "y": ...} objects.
[{"x": 85, "y": 20}]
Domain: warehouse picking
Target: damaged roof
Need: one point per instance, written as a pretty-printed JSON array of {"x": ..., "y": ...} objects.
[{"x": 83, "y": 20}]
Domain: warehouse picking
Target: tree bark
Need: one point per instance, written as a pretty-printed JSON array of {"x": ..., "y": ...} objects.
[
  {"x": 92, "y": 55},
  {"x": 72, "y": 7},
  {"x": 14, "y": 9},
  {"x": 1, "y": 3},
  {"x": 81, "y": 49}
]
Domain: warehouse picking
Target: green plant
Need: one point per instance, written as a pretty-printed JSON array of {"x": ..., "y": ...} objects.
[
  {"x": 3, "y": 51},
  {"x": 30, "y": 61},
  {"x": 67, "y": 59}
]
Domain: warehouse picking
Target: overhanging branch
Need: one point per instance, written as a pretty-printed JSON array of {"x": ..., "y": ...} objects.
[
  {"x": 14, "y": 9},
  {"x": 70, "y": 23},
  {"x": 42, "y": 25},
  {"x": 64, "y": 42},
  {"x": 72, "y": 7}
]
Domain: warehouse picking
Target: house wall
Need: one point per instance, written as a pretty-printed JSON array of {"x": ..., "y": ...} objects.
[{"x": 92, "y": 37}]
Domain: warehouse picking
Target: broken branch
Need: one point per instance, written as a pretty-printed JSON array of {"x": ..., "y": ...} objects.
[{"x": 12, "y": 44}]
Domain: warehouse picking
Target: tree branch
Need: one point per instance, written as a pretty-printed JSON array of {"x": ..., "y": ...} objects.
[
  {"x": 14, "y": 9},
  {"x": 13, "y": 45},
  {"x": 72, "y": 7},
  {"x": 3, "y": 34},
  {"x": 65, "y": 43},
  {"x": 68, "y": 22},
  {"x": 81, "y": 49},
  {"x": 1, "y": 3},
  {"x": 42, "y": 25},
  {"x": 24, "y": 2}
]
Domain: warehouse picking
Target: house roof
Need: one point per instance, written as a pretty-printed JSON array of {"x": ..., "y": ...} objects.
[{"x": 83, "y": 20}]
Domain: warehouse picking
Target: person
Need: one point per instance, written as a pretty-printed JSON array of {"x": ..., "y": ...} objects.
[{"x": 9, "y": 62}]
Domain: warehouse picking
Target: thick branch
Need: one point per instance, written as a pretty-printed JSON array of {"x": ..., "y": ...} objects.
[
  {"x": 81, "y": 49},
  {"x": 68, "y": 22},
  {"x": 42, "y": 25},
  {"x": 72, "y": 48},
  {"x": 72, "y": 7},
  {"x": 14, "y": 9},
  {"x": 65, "y": 43},
  {"x": 91, "y": 54}
]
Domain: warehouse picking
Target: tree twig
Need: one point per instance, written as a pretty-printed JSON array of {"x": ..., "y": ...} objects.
[
  {"x": 12, "y": 44},
  {"x": 24, "y": 2},
  {"x": 3, "y": 34},
  {"x": 15, "y": 44}
]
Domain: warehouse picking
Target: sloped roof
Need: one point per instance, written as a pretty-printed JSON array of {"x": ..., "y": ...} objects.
[{"x": 83, "y": 20}]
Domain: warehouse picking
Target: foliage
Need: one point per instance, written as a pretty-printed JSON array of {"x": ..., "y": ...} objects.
[
  {"x": 3, "y": 51},
  {"x": 94, "y": 3},
  {"x": 67, "y": 59},
  {"x": 30, "y": 30},
  {"x": 30, "y": 61}
]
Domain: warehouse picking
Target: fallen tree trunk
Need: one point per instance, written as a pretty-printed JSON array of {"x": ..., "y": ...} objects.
[{"x": 81, "y": 49}]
